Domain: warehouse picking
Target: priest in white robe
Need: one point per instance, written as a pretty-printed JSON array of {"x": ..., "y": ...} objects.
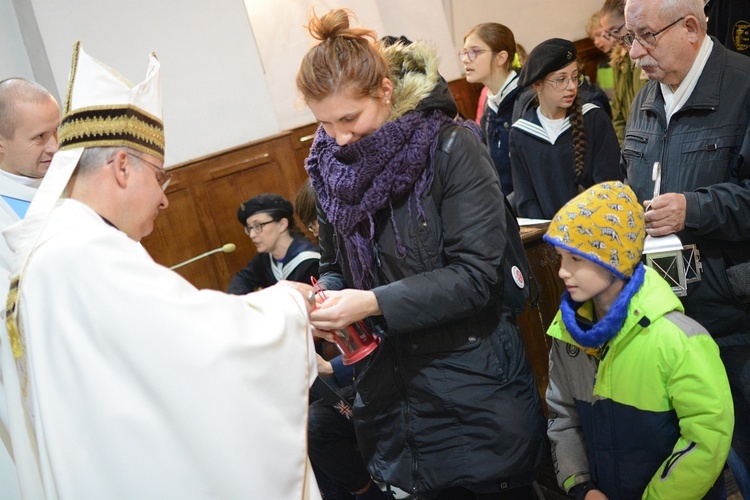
[
  {"x": 29, "y": 117},
  {"x": 134, "y": 383}
]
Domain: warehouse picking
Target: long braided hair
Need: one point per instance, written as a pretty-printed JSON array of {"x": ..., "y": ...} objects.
[{"x": 579, "y": 134}]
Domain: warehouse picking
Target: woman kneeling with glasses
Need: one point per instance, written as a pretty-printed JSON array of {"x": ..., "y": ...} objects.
[{"x": 283, "y": 252}]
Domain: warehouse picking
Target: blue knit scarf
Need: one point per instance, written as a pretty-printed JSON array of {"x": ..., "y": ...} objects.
[
  {"x": 356, "y": 181},
  {"x": 607, "y": 327}
]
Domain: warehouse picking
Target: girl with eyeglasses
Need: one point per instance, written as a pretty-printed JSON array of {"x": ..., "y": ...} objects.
[
  {"x": 560, "y": 146},
  {"x": 489, "y": 57}
]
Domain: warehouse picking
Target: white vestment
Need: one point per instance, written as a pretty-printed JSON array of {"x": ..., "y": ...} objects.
[
  {"x": 139, "y": 386},
  {"x": 21, "y": 188}
]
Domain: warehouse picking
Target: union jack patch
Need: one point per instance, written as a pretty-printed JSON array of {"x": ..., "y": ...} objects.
[{"x": 344, "y": 409}]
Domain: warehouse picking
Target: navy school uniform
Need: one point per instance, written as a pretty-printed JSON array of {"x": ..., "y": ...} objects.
[{"x": 544, "y": 177}]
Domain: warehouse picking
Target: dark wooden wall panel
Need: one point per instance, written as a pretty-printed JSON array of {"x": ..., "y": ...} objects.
[
  {"x": 302, "y": 139},
  {"x": 178, "y": 235},
  {"x": 204, "y": 197},
  {"x": 589, "y": 57},
  {"x": 466, "y": 96}
]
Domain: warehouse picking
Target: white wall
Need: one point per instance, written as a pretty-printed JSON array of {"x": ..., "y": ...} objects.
[
  {"x": 532, "y": 21},
  {"x": 13, "y": 58},
  {"x": 218, "y": 92},
  {"x": 215, "y": 96},
  {"x": 282, "y": 41},
  {"x": 424, "y": 20}
]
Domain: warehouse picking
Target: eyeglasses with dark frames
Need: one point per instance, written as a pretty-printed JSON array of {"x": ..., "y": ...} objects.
[
  {"x": 471, "y": 54},
  {"x": 647, "y": 39},
  {"x": 162, "y": 176},
  {"x": 613, "y": 34},
  {"x": 257, "y": 227}
]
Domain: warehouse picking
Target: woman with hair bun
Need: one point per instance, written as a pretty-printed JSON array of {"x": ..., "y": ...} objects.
[
  {"x": 560, "y": 147},
  {"x": 413, "y": 235},
  {"x": 489, "y": 57}
]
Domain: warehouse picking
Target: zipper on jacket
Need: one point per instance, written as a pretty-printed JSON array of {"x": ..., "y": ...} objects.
[
  {"x": 614, "y": 442},
  {"x": 407, "y": 418},
  {"x": 664, "y": 156}
]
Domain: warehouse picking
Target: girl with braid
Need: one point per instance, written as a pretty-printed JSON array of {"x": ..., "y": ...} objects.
[
  {"x": 560, "y": 147},
  {"x": 413, "y": 233}
]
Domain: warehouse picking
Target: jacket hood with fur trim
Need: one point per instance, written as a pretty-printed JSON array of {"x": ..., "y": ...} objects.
[{"x": 417, "y": 85}]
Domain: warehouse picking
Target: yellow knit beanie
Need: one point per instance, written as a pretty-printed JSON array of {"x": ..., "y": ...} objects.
[{"x": 605, "y": 225}]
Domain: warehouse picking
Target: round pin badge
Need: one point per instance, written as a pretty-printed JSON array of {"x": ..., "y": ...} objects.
[
  {"x": 518, "y": 277},
  {"x": 572, "y": 350}
]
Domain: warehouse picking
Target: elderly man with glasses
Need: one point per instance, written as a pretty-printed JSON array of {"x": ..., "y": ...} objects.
[
  {"x": 627, "y": 78},
  {"x": 693, "y": 118}
]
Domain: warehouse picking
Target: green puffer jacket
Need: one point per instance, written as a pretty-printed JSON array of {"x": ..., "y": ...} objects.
[{"x": 650, "y": 414}]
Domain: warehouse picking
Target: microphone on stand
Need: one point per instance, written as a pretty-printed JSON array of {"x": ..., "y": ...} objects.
[{"x": 227, "y": 248}]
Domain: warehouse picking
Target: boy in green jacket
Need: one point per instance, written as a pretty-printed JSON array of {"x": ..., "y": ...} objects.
[{"x": 639, "y": 403}]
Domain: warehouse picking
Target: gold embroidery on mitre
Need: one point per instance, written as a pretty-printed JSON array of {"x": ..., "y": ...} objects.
[
  {"x": 131, "y": 125},
  {"x": 113, "y": 126},
  {"x": 73, "y": 69}
]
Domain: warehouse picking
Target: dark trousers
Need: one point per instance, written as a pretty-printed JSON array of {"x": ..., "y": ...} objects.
[
  {"x": 737, "y": 364},
  {"x": 332, "y": 444},
  {"x": 522, "y": 493}
]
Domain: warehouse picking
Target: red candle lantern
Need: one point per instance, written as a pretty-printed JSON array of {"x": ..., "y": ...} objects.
[{"x": 354, "y": 341}]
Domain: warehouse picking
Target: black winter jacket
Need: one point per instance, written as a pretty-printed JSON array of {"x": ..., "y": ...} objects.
[{"x": 448, "y": 397}]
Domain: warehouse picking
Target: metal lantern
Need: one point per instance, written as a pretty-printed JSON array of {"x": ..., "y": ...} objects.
[{"x": 677, "y": 264}]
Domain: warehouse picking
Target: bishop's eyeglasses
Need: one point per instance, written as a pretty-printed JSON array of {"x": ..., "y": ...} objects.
[{"x": 162, "y": 176}]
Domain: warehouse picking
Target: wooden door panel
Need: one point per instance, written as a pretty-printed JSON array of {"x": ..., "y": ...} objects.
[
  {"x": 178, "y": 236},
  {"x": 224, "y": 195}
]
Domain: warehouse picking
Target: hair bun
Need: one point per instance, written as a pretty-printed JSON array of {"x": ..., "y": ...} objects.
[{"x": 333, "y": 24}]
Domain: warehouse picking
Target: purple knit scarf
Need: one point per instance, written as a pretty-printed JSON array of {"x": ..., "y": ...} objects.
[{"x": 356, "y": 181}]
